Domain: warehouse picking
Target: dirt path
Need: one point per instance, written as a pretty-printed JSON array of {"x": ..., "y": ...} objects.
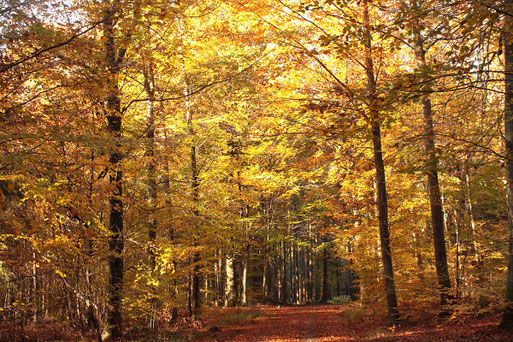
[
  {"x": 299, "y": 323},
  {"x": 322, "y": 323}
]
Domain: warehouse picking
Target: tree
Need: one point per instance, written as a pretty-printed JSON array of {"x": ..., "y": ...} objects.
[
  {"x": 431, "y": 169},
  {"x": 114, "y": 56},
  {"x": 386, "y": 252},
  {"x": 507, "y": 318}
]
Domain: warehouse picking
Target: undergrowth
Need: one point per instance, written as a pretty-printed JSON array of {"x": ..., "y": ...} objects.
[{"x": 234, "y": 316}]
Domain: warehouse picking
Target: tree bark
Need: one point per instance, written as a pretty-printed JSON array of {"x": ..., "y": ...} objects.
[
  {"x": 196, "y": 273},
  {"x": 324, "y": 286},
  {"x": 435, "y": 197},
  {"x": 150, "y": 154},
  {"x": 507, "y": 318},
  {"x": 386, "y": 252},
  {"x": 284, "y": 283},
  {"x": 195, "y": 183},
  {"x": 230, "y": 290},
  {"x": 149, "y": 87},
  {"x": 113, "y": 59},
  {"x": 244, "y": 276}
]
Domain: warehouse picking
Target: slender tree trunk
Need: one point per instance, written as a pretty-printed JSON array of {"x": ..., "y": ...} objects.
[
  {"x": 230, "y": 291},
  {"x": 244, "y": 215},
  {"x": 284, "y": 283},
  {"x": 339, "y": 288},
  {"x": 35, "y": 290},
  {"x": 171, "y": 232},
  {"x": 386, "y": 252},
  {"x": 507, "y": 318},
  {"x": 266, "y": 279},
  {"x": 458, "y": 261},
  {"x": 152, "y": 183},
  {"x": 435, "y": 197},
  {"x": 217, "y": 277},
  {"x": 299, "y": 283},
  {"x": 324, "y": 286},
  {"x": 310, "y": 266},
  {"x": 150, "y": 154},
  {"x": 189, "y": 293},
  {"x": 196, "y": 273},
  {"x": 244, "y": 276},
  {"x": 113, "y": 59},
  {"x": 472, "y": 248}
]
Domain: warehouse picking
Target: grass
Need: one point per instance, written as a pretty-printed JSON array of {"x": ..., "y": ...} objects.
[
  {"x": 340, "y": 300},
  {"x": 238, "y": 315}
]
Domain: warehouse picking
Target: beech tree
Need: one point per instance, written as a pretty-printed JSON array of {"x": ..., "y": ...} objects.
[{"x": 507, "y": 319}]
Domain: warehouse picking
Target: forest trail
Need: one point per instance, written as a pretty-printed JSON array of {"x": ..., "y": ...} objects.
[
  {"x": 288, "y": 323},
  {"x": 348, "y": 322}
]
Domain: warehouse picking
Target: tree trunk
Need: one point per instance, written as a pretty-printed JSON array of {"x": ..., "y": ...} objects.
[
  {"x": 310, "y": 265},
  {"x": 152, "y": 184},
  {"x": 35, "y": 290},
  {"x": 244, "y": 215},
  {"x": 150, "y": 154},
  {"x": 113, "y": 59},
  {"x": 230, "y": 290},
  {"x": 171, "y": 232},
  {"x": 386, "y": 252},
  {"x": 284, "y": 292},
  {"x": 265, "y": 277},
  {"x": 507, "y": 318},
  {"x": 435, "y": 198},
  {"x": 324, "y": 288},
  {"x": 196, "y": 273},
  {"x": 244, "y": 277},
  {"x": 458, "y": 266}
]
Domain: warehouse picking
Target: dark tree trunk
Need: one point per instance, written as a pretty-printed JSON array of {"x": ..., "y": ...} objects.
[
  {"x": 386, "y": 252},
  {"x": 149, "y": 87},
  {"x": 150, "y": 154},
  {"x": 284, "y": 292},
  {"x": 195, "y": 183},
  {"x": 196, "y": 273},
  {"x": 113, "y": 59},
  {"x": 435, "y": 197},
  {"x": 324, "y": 288},
  {"x": 171, "y": 232},
  {"x": 507, "y": 318}
]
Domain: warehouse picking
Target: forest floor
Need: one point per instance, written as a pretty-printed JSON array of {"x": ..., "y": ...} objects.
[
  {"x": 346, "y": 322},
  {"x": 314, "y": 323}
]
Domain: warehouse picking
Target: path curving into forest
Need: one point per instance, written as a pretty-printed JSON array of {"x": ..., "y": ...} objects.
[{"x": 347, "y": 322}]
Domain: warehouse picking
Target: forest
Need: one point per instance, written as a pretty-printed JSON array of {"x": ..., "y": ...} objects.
[{"x": 165, "y": 163}]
